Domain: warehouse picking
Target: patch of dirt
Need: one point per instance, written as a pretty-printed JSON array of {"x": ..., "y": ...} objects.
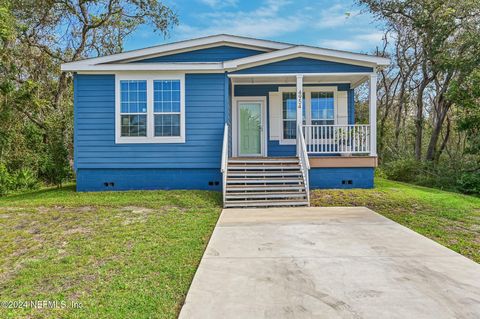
[
  {"x": 137, "y": 209},
  {"x": 135, "y": 214},
  {"x": 64, "y": 209},
  {"x": 77, "y": 230},
  {"x": 134, "y": 220}
]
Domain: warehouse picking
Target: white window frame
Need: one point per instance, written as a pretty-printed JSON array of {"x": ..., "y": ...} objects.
[
  {"x": 150, "y": 138},
  {"x": 308, "y": 111}
]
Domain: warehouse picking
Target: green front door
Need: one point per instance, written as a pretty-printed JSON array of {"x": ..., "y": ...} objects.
[{"x": 250, "y": 128}]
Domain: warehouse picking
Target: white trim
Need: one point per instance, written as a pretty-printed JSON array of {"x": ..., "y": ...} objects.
[
  {"x": 282, "y": 51},
  {"x": 292, "y": 83},
  {"x": 293, "y": 75},
  {"x": 173, "y": 66},
  {"x": 235, "y": 126},
  {"x": 173, "y": 47},
  {"x": 200, "y": 47},
  {"x": 329, "y": 54},
  {"x": 150, "y": 138},
  {"x": 299, "y": 96},
  {"x": 361, "y": 81},
  {"x": 308, "y": 110},
  {"x": 372, "y": 105}
]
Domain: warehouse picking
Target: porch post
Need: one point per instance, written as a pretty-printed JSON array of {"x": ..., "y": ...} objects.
[
  {"x": 299, "y": 107},
  {"x": 373, "y": 114}
]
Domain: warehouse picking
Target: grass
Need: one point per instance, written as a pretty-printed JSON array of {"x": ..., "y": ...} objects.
[
  {"x": 134, "y": 254},
  {"x": 451, "y": 219},
  {"x": 119, "y": 255}
]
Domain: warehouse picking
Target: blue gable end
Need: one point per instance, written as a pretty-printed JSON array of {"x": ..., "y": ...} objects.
[
  {"x": 98, "y": 160},
  {"x": 215, "y": 54},
  {"x": 304, "y": 65}
]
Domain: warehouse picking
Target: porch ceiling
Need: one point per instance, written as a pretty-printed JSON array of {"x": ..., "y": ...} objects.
[{"x": 355, "y": 79}]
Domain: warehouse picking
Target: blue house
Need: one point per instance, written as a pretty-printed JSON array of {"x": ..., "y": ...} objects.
[{"x": 263, "y": 121}]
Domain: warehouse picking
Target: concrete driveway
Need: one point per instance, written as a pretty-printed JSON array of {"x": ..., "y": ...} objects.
[{"x": 328, "y": 263}]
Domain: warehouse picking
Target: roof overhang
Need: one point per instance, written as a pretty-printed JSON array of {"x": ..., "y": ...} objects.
[
  {"x": 173, "y": 66},
  {"x": 176, "y": 47},
  {"x": 309, "y": 52},
  {"x": 354, "y": 78},
  {"x": 274, "y": 51}
]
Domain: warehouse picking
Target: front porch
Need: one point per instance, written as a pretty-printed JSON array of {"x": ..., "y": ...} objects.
[
  {"x": 267, "y": 111},
  {"x": 289, "y": 133}
]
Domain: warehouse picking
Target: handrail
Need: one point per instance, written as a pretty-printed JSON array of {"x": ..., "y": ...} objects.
[
  {"x": 304, "y": 161},
  {"x": 224, "y": 163},
  {"x": 337, "y": 138}
]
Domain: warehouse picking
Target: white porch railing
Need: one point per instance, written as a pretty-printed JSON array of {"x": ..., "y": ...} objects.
[
  {"x": 304, "y": 162},
  {"x": 337, "y": 139},
  {"x": 224, "y": 161}
]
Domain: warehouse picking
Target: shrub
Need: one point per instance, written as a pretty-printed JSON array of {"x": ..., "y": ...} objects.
[
  {"x": 403, "y": 170},
  {"x": 55, "y": 167},
  {"x": 25, "y": 179},
  {"x": 5, "y": 180},
  {"x": 469, "y": 183}
]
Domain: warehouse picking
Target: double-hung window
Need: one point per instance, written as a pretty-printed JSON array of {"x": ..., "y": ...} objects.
[
  {"x": 166, "y": 107},
  {"x": 133, "y": 108},
  {"x": 289, "y": 110},
  {"x": 318, "y": 109},
  {"x": 322, "y": 106},
  {"x": 150, "y": 108}
]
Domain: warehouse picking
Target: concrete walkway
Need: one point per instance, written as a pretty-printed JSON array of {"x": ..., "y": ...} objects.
[{"x": 328, "y": 263}]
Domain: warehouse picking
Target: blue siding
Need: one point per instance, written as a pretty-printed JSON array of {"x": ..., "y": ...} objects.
[
  {"x": 274, "y": 148},
  {"x": 94, "y": 138},
  {"x": 215, "y": 54},
  {"x": 304, "y": 65},
  {"x": 361, "y": 177},
  {"x": 148, "y": 179}
]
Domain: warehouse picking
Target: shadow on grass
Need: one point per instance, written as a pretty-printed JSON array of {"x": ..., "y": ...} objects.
[{"x": 41, "y": 193}]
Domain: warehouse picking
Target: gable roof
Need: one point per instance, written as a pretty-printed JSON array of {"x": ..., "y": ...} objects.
[
  {"x": 308, "y": 51},
  {"x": 180, "y": 46},
  {"x": 274, "y": 51}
]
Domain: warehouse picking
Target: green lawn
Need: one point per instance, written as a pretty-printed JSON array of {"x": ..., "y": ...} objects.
[
  {"x": 134, "y": 254},
  {"x": 451, "y": 219},
  {"x": 121, "y": 255}
]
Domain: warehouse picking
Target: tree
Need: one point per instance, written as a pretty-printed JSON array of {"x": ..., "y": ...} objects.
[
  {"x": 36, "y": 98},
  {"x": 447, "y": 47}
]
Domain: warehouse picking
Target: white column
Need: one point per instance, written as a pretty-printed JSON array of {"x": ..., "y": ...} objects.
[
  {"x": 373, "y": 114},
  {"x": 299, "y": 107}
]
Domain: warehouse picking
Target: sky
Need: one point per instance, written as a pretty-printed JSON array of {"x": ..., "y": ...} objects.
[{"x": 332, "y": 24}]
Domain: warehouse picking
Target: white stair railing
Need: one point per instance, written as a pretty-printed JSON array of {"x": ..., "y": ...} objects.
[
  {"x": 224, "y": 163},
  {"x": 304, "y": 162},
  {"x": 337, "y": 139}
]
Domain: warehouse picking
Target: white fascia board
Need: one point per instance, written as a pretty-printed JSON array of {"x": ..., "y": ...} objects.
[
  {"x": 347, "y": 57},
  {"x": 172, "y": 47},
  {"x": 180, "y": 66},
  {"x": 261, "y": 75}
]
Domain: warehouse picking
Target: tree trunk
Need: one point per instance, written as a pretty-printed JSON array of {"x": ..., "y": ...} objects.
[
  {"x": 444, "y": 142},
  {"x": 419, "y": 116},
  {"x": 443, "y": 108},
  {"x": 419, "y": 122},
  {"x": 442, "y": 105}
]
